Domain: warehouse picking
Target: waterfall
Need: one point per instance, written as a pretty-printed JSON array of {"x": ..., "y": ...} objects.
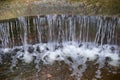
[
  {"x": 59, "y": 28},
  {"x": 73, "y": 39}
]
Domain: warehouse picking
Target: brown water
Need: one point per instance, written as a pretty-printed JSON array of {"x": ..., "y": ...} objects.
[{"x": 57, "y": 71}]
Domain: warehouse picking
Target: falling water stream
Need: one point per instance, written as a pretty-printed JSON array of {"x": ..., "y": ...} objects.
[{"x": 73, "y": 39}]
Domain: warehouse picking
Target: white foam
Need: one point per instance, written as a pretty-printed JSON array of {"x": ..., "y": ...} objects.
[
  {"x": 6, "y": 50},
  {"x": 27, "y": 57},
  {"x": 73, "y": 55}
]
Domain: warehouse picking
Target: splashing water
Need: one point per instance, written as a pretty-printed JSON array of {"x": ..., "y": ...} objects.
[{"x": 73, "y": 39}]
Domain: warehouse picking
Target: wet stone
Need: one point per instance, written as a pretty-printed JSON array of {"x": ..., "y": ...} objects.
[
  {"x": 17, "y": 49},
  {"x": 38, "y": 49},
  {"x": 13, "y": 53},
  {"x": 80, "y": 45},
  {"x": 58, "y": 46},
  {"x": 30, "y": 49},
  {"x": 6, "y": 57},
  {"x": 108, "y": 59},
  {"x": 47, "y": 48},
  {"x": 70, "y": 59},
  {"x": 112, "y": 48}
]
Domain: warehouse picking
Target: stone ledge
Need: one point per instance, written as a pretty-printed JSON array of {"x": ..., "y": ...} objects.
[{"x": 17, "y": 8}]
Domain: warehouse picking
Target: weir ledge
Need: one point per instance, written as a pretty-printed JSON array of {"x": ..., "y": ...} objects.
[{"x": 16, "y": 8}]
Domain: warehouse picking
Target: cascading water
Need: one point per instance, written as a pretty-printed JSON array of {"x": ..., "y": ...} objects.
[{"x": 73, "y": 39}]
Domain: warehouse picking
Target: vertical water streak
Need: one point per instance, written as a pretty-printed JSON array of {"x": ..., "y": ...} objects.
[
  {"x": 99, "y": 28},
  {"x": 87, "y": 34},
  {"x": 50, "y": 24},
  {"x": 103, "y": 31},
  {"x": 4, "y": 34},
  {"x": 11, "y": 34},
  {"x": 70, "y": 27},
  {"x": 36, "y": 23},
  {"x": 63, "y": 28},
  {"x": 81, "y": 26},
  {"x": 55, "y": 29},
  {"x": 66, "y": 29},
  {"x": 23, "y": 25},
  {"x": 59, "y": 28}
]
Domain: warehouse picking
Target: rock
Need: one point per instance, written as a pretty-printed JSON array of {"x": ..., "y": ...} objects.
[
  {"x": 38, "y": 49},
  {"x": 17, "y": 49},
  {"x": 16, "y": 8},
  {"x": 80, "y": 45},
  {"x": 112, "y": 48},
  {"x": 30, "y": 49}
]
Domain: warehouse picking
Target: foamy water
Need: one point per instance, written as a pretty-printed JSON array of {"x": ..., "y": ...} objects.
[
  {"x": 72, "y": 53},
  {"x": 72, "y": 39}
]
